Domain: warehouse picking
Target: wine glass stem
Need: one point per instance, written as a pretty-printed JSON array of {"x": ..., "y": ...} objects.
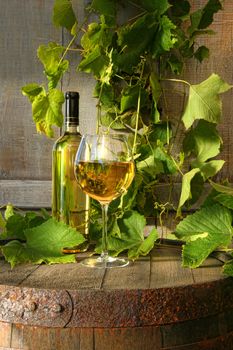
[{"x": 105, "y": 230}]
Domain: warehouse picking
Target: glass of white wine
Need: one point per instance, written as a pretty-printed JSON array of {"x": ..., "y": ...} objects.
[{"x": 104, "y": 169}]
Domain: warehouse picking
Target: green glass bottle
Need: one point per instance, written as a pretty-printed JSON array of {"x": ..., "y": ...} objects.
[{"x": 69, "y": 203}]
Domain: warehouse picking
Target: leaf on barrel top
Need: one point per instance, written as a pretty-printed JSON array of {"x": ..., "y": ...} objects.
[
  {"x": 204, "y": 231},
  {"x": 44, "y": 243},
  {"x": 145, "y": 247},
  {"x": 128, "y": 235}
]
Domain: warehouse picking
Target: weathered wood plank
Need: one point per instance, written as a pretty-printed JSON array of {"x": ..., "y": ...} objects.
[
  {"x": 26, "y": 193},
  {"x": 220, "y": 61},
  {"x": 166, "y": 270},
  {"x": 15, "y": 276},
  {"x": 66, "y": 276},
  {"x": 135, "y": 276},
  {"x": 130, "y": 339},
  {"x": 211, "y": 270},
  {"x": 5, "y": 335},
  {"x": 25, "y": 25},
  {"x": 79, "y": 81},
  {"x": 25, "y": 337}
]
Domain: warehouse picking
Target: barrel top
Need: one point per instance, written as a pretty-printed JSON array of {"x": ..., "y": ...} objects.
[
  {"x": 162, "y": 268},
  {"x": 153, "y": 290}
]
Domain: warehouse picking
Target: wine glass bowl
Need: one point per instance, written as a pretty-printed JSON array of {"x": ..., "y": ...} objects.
[{"x": 104, "y": 169}]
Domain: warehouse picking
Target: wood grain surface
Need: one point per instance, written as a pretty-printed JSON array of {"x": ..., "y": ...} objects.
[{"x": 152, "y": 304}]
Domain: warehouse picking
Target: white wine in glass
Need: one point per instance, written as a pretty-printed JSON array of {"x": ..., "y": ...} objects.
[{"x": 104, "y": 169}]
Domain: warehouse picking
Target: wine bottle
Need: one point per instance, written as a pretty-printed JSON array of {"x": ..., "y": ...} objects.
[{"x": 69, "y": 203}]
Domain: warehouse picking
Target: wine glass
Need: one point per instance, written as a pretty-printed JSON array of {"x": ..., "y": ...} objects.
[{"x": 104, "y": 169}]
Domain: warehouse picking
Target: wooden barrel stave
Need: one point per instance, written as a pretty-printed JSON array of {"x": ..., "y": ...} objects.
[
  {"x": 153, "y": 304},
  {"x": 136, "y": 338}
]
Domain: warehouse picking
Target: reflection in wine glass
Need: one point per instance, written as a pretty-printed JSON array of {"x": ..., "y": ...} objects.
[{"x": 104, "y": 169}]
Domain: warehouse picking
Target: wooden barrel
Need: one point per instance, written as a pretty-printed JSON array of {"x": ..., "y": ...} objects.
[{"x": 152, "y": 304}]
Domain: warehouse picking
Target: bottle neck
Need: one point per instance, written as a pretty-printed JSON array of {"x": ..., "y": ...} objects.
[{"x": 71, "y": 128}]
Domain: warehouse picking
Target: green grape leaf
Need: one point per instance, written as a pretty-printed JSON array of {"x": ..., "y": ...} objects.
[
  {"x": 130, "y": 228},
  {"x": 221, "y": 188},
  {"x": 17, "y": 223},
  {"x": 161, "y": 133},
  {"x": 211, "y": 168},
  {"x": 212, "y": 7},
  {"x": 204, "y": 101},
  {"x": 197, "y": 186},
  {"x": 94, "y": 62},
  {"x": 159, "y": 7},
  {"x": 186, "y": 188},
  {"x": 127, "y": 201},
  {"x": 150, "y": 166},
  {"x": 9, "y": 211},
  {"x": 203, "y": 141},
  {"x": 112, "y": 120},
  {"x": 145, "y": 247},
  {"x": 168, "y": 164},
  {"x": 50, "y": 56},
  {"x": 130, "y": 96},
  {"x": 175, "y": 64},
  {"x": 2, "y": 222},
  {"x": 202, "y": 18},
  {"x": 47, "y": 111},
  {"x": 106, "y": 94},
  {"x": 104, "y": 7},
  {"x": 44, "y": 244},
  {"x": 165, "y": 38},
  {"x": 63, "y": 14},
  {"x": 97, "y": 34},
  {"x": 127, "y": 234},
  {"x": 129, "y": 37},
  {"x": 15, "y": 226},
  {"x": 225, "y": 199},
  {"x": 204, "y": 231},
  {"x": 179, "y": 8},
  {"x": 156, "y": 93},
  {"x": 31, "y": 91},
  {"x": 201, "y": 53},
  {"x": 228, "y": 268}
]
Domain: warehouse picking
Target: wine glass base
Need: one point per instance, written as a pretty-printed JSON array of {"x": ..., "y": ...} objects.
[{"x": 104, "y": 262}]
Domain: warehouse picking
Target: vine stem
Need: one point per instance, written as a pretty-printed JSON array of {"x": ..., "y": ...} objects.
[
  {"x": 137, "y": 121},
  {"x": 99, "y": 111},
  {"x": 67, "y": 48},
  {"x": 176, "y": 80},
  {"x": 138, "y": 112},
  {"x": 80, "y": 28}
]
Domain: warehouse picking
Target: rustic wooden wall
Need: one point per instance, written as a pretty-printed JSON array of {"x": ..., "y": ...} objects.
[{"x": 25, "y": 156}]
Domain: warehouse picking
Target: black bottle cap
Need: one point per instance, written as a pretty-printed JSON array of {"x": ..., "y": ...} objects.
[{"x": 72, "y": 108}]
